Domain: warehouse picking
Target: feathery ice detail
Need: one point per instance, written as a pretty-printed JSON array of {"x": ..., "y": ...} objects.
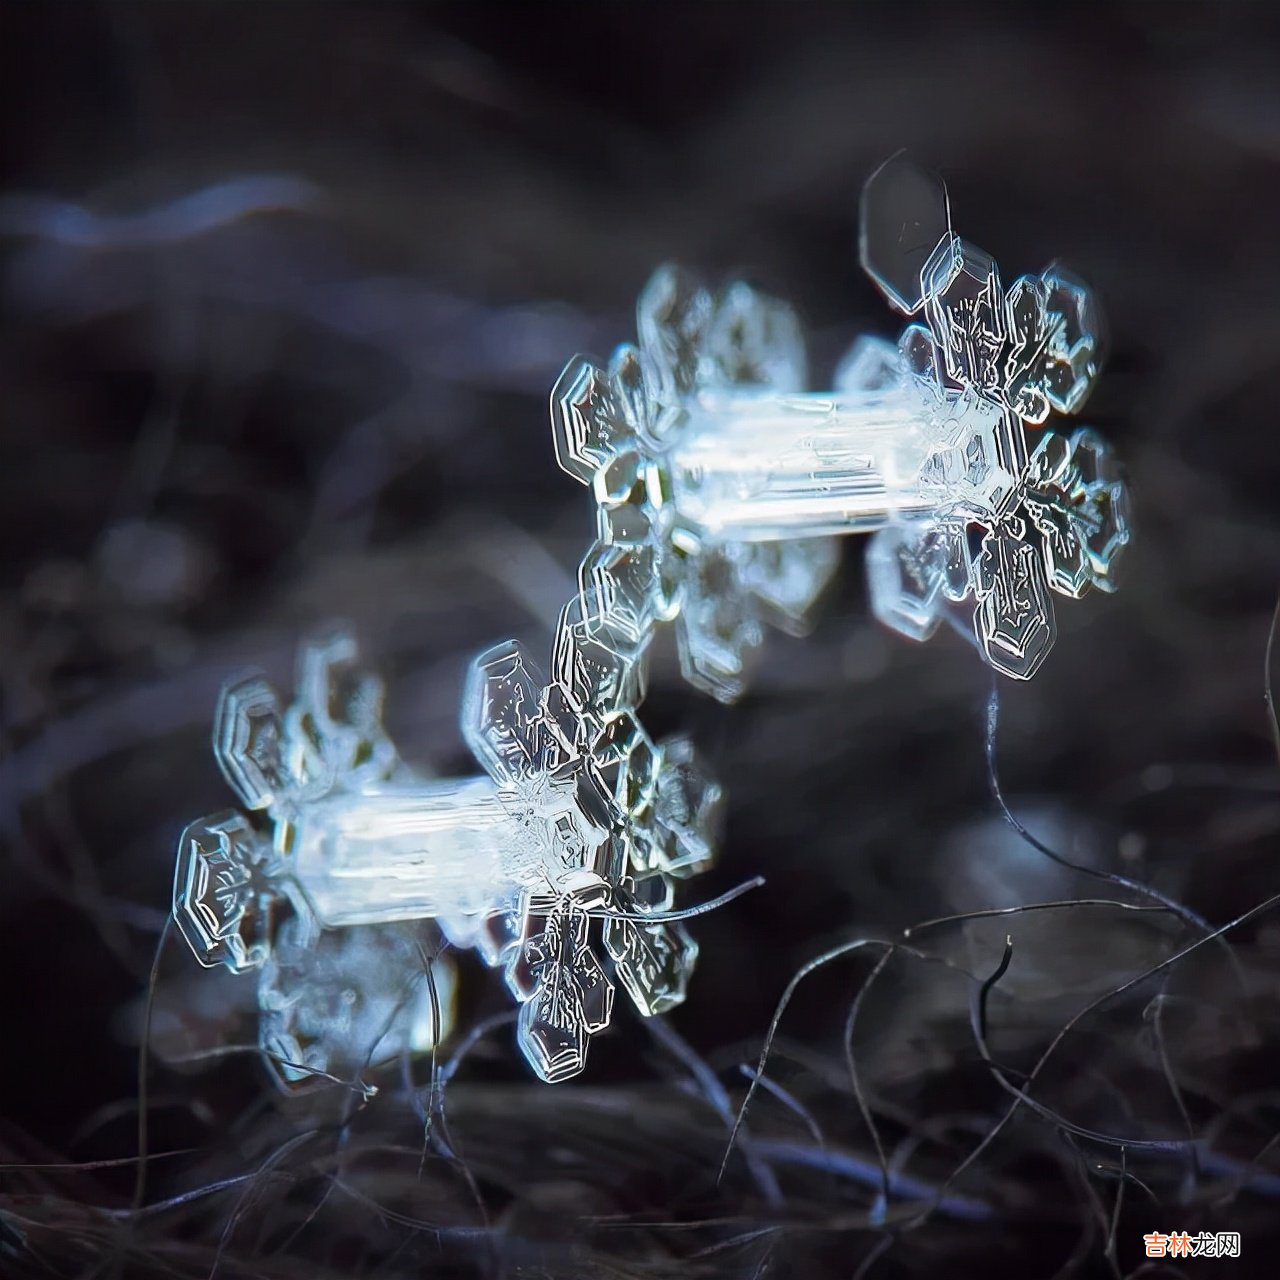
[
  {"x": 328, "y": 888},
  {"x": 719, "y": 483}
]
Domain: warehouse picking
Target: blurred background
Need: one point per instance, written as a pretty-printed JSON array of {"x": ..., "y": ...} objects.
[{"x": 283, "y": 289}]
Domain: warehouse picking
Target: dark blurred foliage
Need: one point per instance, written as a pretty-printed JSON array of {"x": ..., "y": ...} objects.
[{"x": 283, "y": 290}]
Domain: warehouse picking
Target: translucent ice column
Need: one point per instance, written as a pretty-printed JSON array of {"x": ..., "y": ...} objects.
[
  {"x": 719, "y": 481},
  {"x": 577, "y": 815},
  {"x": 413, "y": 852},
  {"x": 752, "y": 467}
]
